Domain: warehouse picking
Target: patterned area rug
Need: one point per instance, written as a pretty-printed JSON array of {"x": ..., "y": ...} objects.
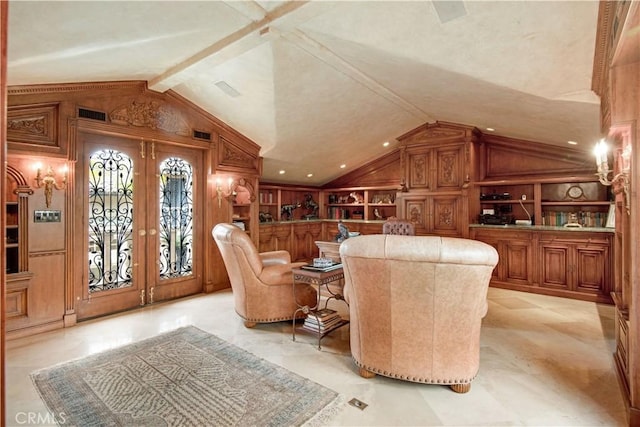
[{"x": 185, "y": 377}]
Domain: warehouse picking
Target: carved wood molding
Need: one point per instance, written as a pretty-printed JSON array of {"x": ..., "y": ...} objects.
[
  {"x": 232, "y": 157},
  {"x": 601, "y": 54},
  {"x": 438, "y": 132},
  {"x": 75, "y": 87},
  {"x": 33, "y": 124},
  {"x": 151, "y": 114},
  {"x": 22, "y": 189}
]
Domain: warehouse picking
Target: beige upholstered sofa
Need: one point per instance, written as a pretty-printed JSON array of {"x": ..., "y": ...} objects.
[
  {"x": 262, "y": 283},
  {"x": 416, "y": 305}
]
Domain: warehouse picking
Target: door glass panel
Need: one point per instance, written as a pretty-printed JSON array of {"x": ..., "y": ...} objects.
[
  {"x": 176, "y": 218},
  {"x": 110, "y": 220}
]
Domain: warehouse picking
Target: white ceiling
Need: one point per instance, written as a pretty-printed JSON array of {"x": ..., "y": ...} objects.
[{"x": 326, "y": 83}]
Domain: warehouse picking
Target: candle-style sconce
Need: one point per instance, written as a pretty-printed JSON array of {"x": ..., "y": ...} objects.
[
  {"x": 227, "y": 194},
  {"x": 620, "y": 181},
  {"x": 48, "y": 181}
]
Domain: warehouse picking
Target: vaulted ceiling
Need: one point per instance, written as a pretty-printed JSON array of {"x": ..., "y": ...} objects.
[{"x": 319, "y": 84}]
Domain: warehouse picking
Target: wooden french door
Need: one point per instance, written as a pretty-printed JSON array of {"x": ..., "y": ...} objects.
[{"x": 139, "y": 218}]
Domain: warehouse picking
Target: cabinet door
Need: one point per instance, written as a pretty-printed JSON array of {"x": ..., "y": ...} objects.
[
  {"x": 517, "y": 261},
  {"x": 282, "y": 235},
  {"x": 266, "y": 239},
  {"x": 304, "y": 238},
  {"x": 449, "y": 168},
  {"x": 591, "y": 269},
  {"x": 416, "y": 210},
  {"x": 445, "y": 215},
  {"x": 419, "y": 168},
  {"x": 498, "y": 271},
  {"x": 555, "y": 265}
]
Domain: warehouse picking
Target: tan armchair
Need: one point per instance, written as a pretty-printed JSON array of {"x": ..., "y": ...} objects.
[
  {"x": 394, "y": 225},
  {"x": 262, "y": 283},
  {"x": 416, "y": 305}
]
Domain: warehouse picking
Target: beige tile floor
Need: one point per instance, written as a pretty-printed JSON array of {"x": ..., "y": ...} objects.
[{"x": 545, "y": 361}]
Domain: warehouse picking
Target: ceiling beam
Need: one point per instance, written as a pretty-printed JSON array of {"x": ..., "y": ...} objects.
[
  {"x": 232, "y": 44},
  {"x": 248, "y": 8}
]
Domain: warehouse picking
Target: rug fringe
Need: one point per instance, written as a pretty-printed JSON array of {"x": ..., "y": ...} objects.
[{"x": 323, "y": 417}]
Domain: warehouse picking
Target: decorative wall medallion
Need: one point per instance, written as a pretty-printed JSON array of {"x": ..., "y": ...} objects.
[{"x": 153, "y": 114}]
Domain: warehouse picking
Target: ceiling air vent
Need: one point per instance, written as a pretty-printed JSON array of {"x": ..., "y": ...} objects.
[
  {"x": 202, "y": 135},
  {"x": 93, "y": 115}
]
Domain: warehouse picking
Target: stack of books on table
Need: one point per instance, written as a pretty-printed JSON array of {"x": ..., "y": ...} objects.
[
  {"x": 326, "y": 320},
  {"x": 333, "y": 266}
]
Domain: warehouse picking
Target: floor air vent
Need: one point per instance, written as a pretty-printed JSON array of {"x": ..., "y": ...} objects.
[
  {"x": 93, "y": 115},
  {"x": 202, "y": 135}
]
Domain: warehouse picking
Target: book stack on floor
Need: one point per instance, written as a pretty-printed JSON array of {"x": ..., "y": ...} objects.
[{"x": 326, "y": 320}]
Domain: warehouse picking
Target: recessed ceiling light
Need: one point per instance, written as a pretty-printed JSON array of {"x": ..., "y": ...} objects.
[
  {"x": 281, "y": 172},
  {"x": 309, "y": 175},
  {"x": 386, "y": 144},
  {"x": 343, "y": 166},
  {"x": 490, "y": 129},
  {"x": 572, "y": 143}
]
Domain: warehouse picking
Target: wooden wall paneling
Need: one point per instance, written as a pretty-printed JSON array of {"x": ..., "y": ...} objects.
[
  {"x": 235, "y": 156},
  {"x": 284, "y": 238},
  {"x": 266, "y": 238},
  {"x": 4, "y": 14},
  {"x": 617, "y": 81},
  {"x": 506, "y": 158},
  {"x": 35, "y": 128},
  {"x": 45, "y": 296},
  {"x": 384, "y": 171}
]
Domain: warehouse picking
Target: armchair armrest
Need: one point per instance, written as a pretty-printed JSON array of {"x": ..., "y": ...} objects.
[
  {"x": 275, "y": 257},
  {"x": 277, "y": 274}
]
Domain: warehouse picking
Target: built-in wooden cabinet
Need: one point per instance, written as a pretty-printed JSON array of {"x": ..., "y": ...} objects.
[
  {"x": 516, "y": 255},
  {"x": 582, "y": 202},
  {"x": 576, "y": 262},
  {"x": 288, "y": 203},
  {"x": 570, "y": 263},
  {"x": 435, "y": 168},
  {"x": 440, "y": 214},
  {"x": 304, "y": 236}
]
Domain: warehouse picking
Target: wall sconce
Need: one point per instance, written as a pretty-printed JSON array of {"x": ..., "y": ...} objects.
[
  {"x": 48, "y": 181},
  {"x": 224, "y": 194},
  {"x": 620, "y": 182}
]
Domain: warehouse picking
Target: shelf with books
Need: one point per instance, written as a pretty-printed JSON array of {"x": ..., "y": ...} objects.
[{"x": 360, "y": 203}]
